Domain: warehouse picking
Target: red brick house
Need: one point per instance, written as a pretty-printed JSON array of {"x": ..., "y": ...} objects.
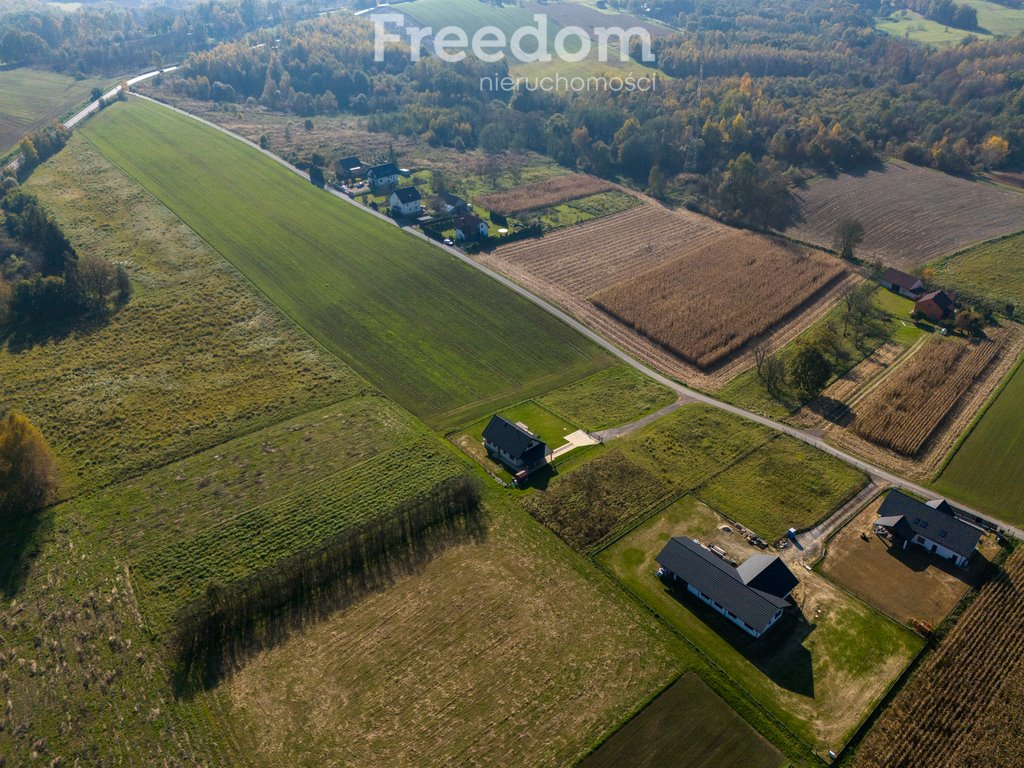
[{"x": 936, "y": 306}]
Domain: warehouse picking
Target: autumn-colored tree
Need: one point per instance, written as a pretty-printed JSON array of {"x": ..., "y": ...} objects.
[
  {"x": 993, "y": 151},
  {"x": 28, "y": 469}
]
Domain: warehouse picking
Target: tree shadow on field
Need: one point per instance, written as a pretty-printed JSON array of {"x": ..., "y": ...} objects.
[
  {"x": 831, "y": 410},
  {"x": 266, "y": 627},
  {"x": 20, "y": 544},
  {"x": 779, "y": 653},
  {"x": 23, "y": 337}
]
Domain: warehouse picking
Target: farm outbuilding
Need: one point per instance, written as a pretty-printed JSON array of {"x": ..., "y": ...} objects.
[
  {"x": 514, "y": 446},
  {"x": 348, "y": 169},
  {"x": 933, "y": 526},
  {"x": 936, "y": 306},
  {"x": 905, "y": 285},
  {"x": 752, "y": 596},
  {"x": 448, "y": 204}
]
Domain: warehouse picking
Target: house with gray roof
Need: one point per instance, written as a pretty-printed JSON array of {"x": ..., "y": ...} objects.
[
  {"x": 933, "y": 525},
  {"x": 752, "y": 596},
  {"x": 514, "y": 446}
]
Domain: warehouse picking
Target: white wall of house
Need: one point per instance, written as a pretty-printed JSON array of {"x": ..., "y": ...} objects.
[
  {"x": 941, "y": 551},
  {"x": 406, "y": 209},
  {"x": 505, "y": 457},
  {"x": 384, "y": 181}
]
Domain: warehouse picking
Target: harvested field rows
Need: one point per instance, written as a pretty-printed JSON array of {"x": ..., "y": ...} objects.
[
  {"x": 543, "y": 194},
  {"x": 571, "y": 265},
  {"x": 910, "y": 215},
  {"x": 676, "y": 304},
  {"x": 833, "y": 403},
  {"x": 935, "y": 719},
  {"x": 905, "y": 409}
]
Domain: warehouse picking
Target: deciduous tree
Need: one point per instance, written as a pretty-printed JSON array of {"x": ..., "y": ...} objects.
[{"x": 28, "y": 469}]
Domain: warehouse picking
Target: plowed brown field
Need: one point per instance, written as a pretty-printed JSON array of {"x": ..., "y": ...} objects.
[{"x": 910, "y": 214}]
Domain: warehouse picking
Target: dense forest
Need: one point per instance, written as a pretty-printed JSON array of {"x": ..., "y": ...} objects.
[
  {"x": 788, "y": 88},
  {"x": 108, "y": 38}
]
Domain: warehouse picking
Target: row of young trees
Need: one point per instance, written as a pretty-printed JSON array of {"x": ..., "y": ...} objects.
[{"x": 218, "y": 630}]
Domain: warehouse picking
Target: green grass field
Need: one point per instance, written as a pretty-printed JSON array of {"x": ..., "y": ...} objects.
[
  {"x": 786, "y": 484},
  {"x": 435, "y": 335},
  {"x": 985, "y": 472},
  {"x": 30, "y": 98},
  {"x": 611, "y": 397},
  {"x": 748, "y": 391},
  {"x": 820, "y": 671},
  {"x": 998, "y": 19},
  {"x": 195, "y": 358},
  {"x": 688, "y": 719},
  {"x": 994, "y": 270},
  {"x": 913, "y": 26}
]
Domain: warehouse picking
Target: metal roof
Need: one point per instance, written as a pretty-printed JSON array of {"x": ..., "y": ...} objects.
[
  {"x": 937, "y": 522},
  {"x": 721, "y": 582}
]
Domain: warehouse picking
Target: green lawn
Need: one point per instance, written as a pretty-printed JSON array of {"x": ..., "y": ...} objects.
[
  {"x": 913, "y": 26},
  {"x": 584, "y": 209},
  {"x": 609, "y": 398},
  {"x": 820, "y": 671},
  {"x": 688, "y": 719},
  {"x": 785, "y": 484},
  {"x": 748, "y": 391},
  {"x": 987, "y": 470},
  {"x": 30, "y": 98},
  {"x": 998, "y": 19},
  {"x": 994, "y": 270},
  {"x": 434, "y": 334}
]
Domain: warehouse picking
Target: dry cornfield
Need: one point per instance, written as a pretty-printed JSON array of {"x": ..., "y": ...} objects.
[
  {"x": 908, "y": 406},
  {"x": 705, "y": 305},
  {"x": 955, "y": 711},
  {"x": 574, "y": 264},
  {"x": 543, "y": 194}
]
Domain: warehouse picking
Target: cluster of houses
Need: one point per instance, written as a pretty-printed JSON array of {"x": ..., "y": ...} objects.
[
  {"x": 408, "y": 203},
  {"x": 755, "y": 594},
  {"x": 933, "y": 305}
]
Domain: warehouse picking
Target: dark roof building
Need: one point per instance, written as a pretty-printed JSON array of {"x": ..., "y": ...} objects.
[
  {"x": 449, "y": 203},
  {"x": 933, "y": 525},
  {"x": 515, "y": 446},
  {"x": 902, "y": 283},
  {"x": 407, "y": 195},
  {"x": 470, "y": 227},
  {"x": 386, "y": 173},
  {"x": 348, "y": 167},
  {"x": 936, "y": 306},
  {"x": 752, "y": 596}
]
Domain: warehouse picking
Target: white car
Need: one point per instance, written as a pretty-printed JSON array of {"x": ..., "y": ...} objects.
[{"x": 449, "y": 241}]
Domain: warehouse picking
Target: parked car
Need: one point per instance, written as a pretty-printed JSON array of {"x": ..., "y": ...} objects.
[{"x": 449, "y": 241}]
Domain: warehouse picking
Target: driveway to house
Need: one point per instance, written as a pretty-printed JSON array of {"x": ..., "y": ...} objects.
[{"x": 878, "y": 475}]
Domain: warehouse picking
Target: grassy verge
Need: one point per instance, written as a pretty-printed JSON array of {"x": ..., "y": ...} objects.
[
  {"x": 992, "y": 270},
  {"x": 609, "y": 398}
]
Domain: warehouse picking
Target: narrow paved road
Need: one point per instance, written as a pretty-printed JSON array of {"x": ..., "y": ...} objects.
[{"x": 878, "y": 475}]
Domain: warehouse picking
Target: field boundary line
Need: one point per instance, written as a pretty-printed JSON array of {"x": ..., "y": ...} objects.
[{"x": 1014, "y": 370}]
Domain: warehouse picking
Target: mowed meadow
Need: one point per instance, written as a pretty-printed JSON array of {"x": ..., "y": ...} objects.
[{"x": 440, "y": 338}]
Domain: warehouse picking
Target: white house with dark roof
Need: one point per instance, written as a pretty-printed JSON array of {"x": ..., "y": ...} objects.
[
  {"x": 752, "y": 596},
  {"x": 384, "y": 175},
  {"x": 934, "y": 526},
  {"x": 905, "y": 285},
  {"x": 406, "y": 201}
]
